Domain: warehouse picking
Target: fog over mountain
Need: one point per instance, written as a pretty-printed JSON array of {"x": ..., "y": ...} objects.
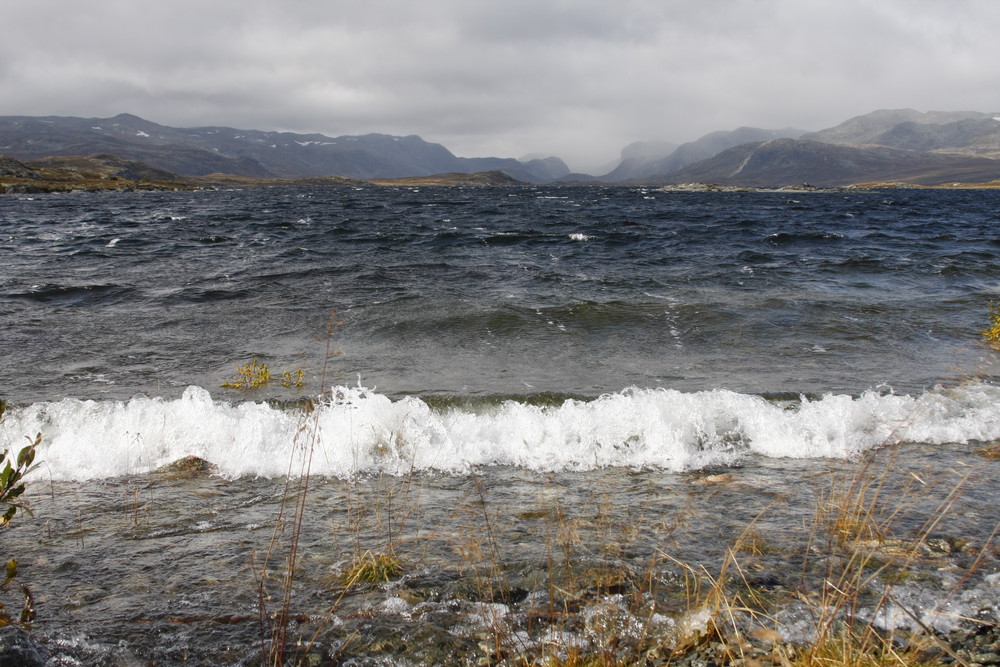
[
  {"x": 907, "y": 146},
  {"x": 648, "y": 163},
  {"x": 960, "y": 132}
]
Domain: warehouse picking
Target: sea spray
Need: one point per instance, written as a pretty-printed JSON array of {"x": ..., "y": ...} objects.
[{"x": 357, "y": 430}]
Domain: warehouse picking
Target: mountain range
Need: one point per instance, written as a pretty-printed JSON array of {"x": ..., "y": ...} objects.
[
  {"x": 251, "y": 153},
  {"x": 898, "y": 146}
]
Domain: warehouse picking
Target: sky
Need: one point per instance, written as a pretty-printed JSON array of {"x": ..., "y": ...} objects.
[{"x": 578, "y": 79}]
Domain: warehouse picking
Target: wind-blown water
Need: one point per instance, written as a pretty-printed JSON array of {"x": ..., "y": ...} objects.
[
  {"x": 606, "y": 336},
  {"x": 502, "y": 314}
]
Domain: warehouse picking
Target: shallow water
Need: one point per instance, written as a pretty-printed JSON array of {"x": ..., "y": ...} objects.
[
  {"x": 554, "y": 405},
  {"x": 165, "y": 567}
]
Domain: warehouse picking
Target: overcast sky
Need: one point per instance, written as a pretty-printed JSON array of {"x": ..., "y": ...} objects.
[{"x": 575, "y": 78}]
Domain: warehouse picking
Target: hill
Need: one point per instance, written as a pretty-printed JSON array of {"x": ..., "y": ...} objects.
[
  {"x": 93, "y": 172},
  {"x": 795, "y": 161},
  {"x": 643, "y": 163},
  {"x": 955, "y": 132},
  {"x": 108, "y": 172},
  {"x": 250, "y": 153}
]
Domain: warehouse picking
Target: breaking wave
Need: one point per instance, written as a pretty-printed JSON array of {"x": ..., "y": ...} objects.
[{"x": 355, "y": 430}]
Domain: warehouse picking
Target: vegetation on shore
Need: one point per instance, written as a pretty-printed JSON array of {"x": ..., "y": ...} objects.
[
  {"x": 13, "y": 468},
  {"x": 593, "y": 600}
]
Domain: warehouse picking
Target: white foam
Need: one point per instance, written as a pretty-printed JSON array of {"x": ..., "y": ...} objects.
[{"x": 357, "y": 430}]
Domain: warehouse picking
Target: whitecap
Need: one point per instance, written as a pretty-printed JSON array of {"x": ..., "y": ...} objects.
[{"x": 356, "y": 430}]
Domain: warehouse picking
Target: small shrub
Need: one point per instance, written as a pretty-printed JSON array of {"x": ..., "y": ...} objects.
[{"x": 250, "y": 376}]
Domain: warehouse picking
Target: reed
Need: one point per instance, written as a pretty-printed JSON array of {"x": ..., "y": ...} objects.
[{"x": 275, "y": 613}]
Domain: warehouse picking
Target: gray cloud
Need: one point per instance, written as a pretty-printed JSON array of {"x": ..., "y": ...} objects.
[{"x": 577, "y": 79}]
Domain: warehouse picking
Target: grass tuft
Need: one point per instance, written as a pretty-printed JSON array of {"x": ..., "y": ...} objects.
[
  {"x": 850, "y": 649},
  {"x": 372, "y": 568}
]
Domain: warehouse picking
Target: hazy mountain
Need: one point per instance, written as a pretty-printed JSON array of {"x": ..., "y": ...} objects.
[
  {"x": 961, "y": 132},
  {"x": 636, "y": 158},
  {"x": 793, "y": 162},
  {"x": 888, "y": 145},
  {"x": 253, "y": 153},
  {"x": 643, "y": 162}
]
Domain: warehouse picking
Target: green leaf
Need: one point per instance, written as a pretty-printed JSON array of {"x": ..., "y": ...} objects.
[
  {"x": 11, "y": 569},
  {"x": 26, "y": 456}
]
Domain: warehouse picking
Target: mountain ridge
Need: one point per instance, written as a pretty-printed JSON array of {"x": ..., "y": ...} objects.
[
  {"x": 251, "y": 153},
  {"x": 796, "y": 161},
  {"x": 887, "y": 145}
]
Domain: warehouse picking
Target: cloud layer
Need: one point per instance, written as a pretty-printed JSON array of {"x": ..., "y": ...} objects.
[{"x": 577, "y": 79}]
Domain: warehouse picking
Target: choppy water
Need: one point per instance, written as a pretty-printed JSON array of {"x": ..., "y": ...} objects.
[{"x": 601, "y": 346}]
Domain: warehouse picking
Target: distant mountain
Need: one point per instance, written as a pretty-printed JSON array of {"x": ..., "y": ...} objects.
[
  {"x": 251, "y": 153},
  {"x": 643, "y": 163},
  {"x": 796, "y": 161},
  {"x": 896, "y": 145},
  {"x": 636, "y": 158},
  {"x": 958, "y": 132}
]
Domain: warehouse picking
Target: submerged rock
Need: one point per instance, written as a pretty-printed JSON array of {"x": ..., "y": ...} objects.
[
  {"x": 187, "y": 468},
  {"x": 18, "y": 649}
]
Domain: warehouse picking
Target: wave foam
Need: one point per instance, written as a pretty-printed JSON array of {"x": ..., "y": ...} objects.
[{"x": 356, "y": 430}]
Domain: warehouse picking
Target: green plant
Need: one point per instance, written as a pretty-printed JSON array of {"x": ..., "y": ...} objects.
[
  {"x": 256, "y": 374},
  {"x": 292, "y": 379},
  {"x": 991, "y": 334},
  {"x": 253, "y": 375},
  {"x": 11, "y": 476},
  {"x": 12, "y": 472}
]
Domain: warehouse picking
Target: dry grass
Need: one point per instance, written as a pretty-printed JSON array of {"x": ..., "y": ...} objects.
[
  {"x": 372, "y": 568},
  {"x": 597, "y": 605}
]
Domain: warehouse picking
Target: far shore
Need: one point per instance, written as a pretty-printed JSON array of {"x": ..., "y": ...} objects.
[{"x": 63, "y": 181}]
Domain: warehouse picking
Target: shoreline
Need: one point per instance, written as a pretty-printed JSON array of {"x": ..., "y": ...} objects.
[
  {"x": 506, "y": 566},
  {"x": 64, "y": 181}
]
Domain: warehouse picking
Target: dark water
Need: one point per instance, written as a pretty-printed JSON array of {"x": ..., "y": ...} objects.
[
  {"x": 539, "y": 390},
  {"x": 496, "y": 291}
]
